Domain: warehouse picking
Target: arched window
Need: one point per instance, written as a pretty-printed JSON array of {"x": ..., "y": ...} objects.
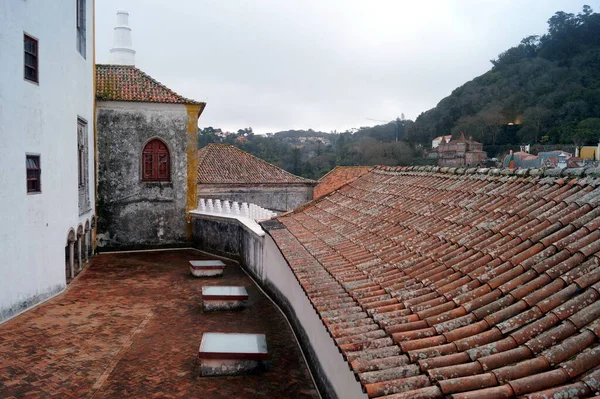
[{"x": 155, "y": 162}]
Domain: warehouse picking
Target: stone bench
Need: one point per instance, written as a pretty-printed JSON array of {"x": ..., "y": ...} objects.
[
  {"x": 206, "y": 268},
  {"x": 223, "y": 298},
  {"x": 232, "y": 354}
]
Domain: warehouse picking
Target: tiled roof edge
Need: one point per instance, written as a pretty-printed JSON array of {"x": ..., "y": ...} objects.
[
  {"x": 346, "y": 167},
  {"x": 182, "y": 99},
  {"x": 270, "y": 232},
  {"x": 532, "y": 172}
]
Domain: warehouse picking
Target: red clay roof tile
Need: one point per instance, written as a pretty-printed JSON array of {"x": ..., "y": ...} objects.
[
  {"x": 487, "y": 272},
  {"x": 128, "y": 83},
  {"x": 226, "y": 164}
]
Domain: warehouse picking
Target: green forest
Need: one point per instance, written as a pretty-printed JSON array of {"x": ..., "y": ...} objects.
[{"x": 544, "y": 91}]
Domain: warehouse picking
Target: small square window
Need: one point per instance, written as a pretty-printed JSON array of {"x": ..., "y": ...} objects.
[
  {"x": 31, "y": 59},
  {"x": 34, "y": 174}
]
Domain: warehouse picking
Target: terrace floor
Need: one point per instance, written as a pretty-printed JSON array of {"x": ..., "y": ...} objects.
[{"x": 130, "y": 326}]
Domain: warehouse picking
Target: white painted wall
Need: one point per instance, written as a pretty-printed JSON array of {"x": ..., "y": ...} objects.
[
  {"x": 278, "y": 273},
  {"x": 41, "y": 119}
]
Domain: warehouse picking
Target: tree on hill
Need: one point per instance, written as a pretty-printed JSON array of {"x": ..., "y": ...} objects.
[{"x": 544, "y": 86}]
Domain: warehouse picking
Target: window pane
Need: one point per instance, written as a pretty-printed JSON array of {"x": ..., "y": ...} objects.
[
  {"x": 32, "y": 163},
  {"x": 29, "y": 60},
  {"x": 30, "y": 74},
  {"x": 30, "y": 46}
]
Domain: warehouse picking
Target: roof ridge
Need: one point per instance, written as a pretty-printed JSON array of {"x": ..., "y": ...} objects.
[
  {"x": 344, "y": 166},
  {"x": 521, "y": 172},
  {"x": 164, "y": 86}
]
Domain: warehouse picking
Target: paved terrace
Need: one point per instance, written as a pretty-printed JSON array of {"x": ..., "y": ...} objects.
[{"x": 130, "y": 326}]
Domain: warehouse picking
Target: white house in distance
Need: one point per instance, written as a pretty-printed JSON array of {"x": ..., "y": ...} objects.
[
  {"x": 438, "y": 140},
  {"x": 46, "y": 154}
]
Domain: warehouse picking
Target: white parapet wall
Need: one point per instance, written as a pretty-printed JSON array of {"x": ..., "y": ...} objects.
[
  {"x": 235, "y": 209},
  {"x": 231, "y": 234},
  {"x": 246, "y": 214}
]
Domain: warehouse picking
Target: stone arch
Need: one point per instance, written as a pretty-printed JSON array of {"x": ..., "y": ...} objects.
[
  {"x": 70, "y": 235},
  {"x": 79, "y": 248},
  {"x": 70, "y": 255},
  {"x": 87, "y": 239}
]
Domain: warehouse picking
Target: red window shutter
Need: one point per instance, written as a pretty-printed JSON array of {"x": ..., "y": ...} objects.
[
  {"x": 156, "y": 161},
  {"x": 163, "y": 166},
  {"x": 147, "y": 166}
]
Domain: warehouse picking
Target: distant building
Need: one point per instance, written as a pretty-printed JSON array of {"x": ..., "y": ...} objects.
[
  {"x": 438, "y": 140},
  {"x": 588, "y": 152},
  {"x": 227, "y": 173},
  {"x": 147, "y": 143},
  {"x": 460, "y": 152},
  {"x": 546, "y": 159}
]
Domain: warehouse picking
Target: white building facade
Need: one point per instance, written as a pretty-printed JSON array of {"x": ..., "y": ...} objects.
[{"x": 47, "y": 148}]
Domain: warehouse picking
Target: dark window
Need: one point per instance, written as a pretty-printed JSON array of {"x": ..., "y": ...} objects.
[
  {"x": 31, "y": 59},
  {"x": 34, "y": 174},
  {"x": 82, "y": 151},
  {"x": 156, "y": 163},
  {"x": 81, "y": 27},
  {"x": 82, "y": 166}
]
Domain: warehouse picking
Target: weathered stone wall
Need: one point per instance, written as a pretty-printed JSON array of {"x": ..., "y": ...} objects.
[
  {"x": 277, "y": 198},
  {"x": 133, "y": 213},
  {"x": 218, "y": 236}
]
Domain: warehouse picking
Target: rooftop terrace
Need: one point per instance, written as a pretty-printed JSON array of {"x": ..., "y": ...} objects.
[{"x": 130, "y": 326}]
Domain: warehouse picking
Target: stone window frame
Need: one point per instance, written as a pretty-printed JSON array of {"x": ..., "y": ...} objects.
[
  {"x": 83, "y": 166},
  {"x": 168, "y": 179}
]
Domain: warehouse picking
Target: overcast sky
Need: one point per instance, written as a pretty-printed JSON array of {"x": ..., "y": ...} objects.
[{"x": 322, "y": 64}]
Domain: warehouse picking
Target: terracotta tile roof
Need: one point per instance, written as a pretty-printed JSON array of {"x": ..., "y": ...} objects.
[
  {"x": 128, "y": 83},
  {"x": 226, "y": 164},
  {"x": 337, "y": 177},
  {"x": 444, "y": 282}
]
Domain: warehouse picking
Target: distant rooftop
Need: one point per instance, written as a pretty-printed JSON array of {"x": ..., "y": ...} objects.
[{"x": 226, "y": 164}]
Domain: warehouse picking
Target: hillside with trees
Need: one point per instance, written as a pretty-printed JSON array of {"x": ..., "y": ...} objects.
[
  {"x": 544, "y": 90},
  {"x": 311, "y": 154}
]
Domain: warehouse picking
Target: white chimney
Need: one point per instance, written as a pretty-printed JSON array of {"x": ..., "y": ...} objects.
[{"x": 122, "y": 53}]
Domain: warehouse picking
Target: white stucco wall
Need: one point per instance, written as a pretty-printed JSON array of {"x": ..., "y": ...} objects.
[
  {"x": 41, "y": 119},
  {"x": 277, "y": 272}
]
